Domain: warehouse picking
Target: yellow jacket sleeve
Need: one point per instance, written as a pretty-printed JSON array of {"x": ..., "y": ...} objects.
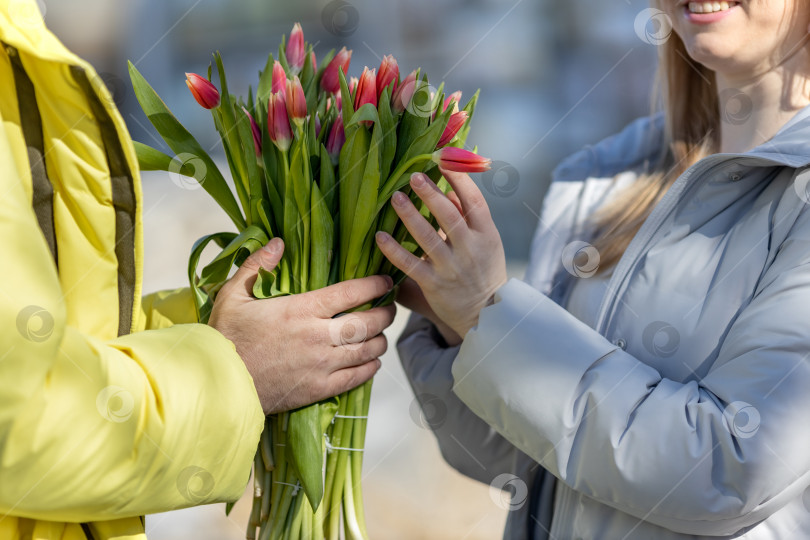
[
  {"x": 92, "y": 429},
  {"x": 166, "y": 308}
]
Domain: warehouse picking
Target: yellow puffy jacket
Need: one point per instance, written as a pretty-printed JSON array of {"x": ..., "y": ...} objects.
[{"x": 109, "y": 408}]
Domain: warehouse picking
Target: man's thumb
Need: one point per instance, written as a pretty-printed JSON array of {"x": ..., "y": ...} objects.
[{"x": 266, "y": 257}]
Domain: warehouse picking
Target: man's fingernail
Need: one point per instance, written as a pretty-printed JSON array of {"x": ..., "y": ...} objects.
[
  {"x": 389, "y": 281},
  {"x": 381, "y": 237},
  {"x": 417, "y": 179},
  {"x": 273, "y": 246}
]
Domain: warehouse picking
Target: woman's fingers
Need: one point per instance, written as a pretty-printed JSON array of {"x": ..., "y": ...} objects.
[
  {"x": 424, "y": 234},
  {"x": 446, "y": 213},
  {"x": 475, "y": 208},
  {"x": 414, "y": 267}
]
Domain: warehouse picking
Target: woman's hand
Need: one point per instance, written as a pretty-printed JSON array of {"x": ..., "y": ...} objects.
[
  {"x": 295, "y": 351},
  {"x": 460, "y": 272}
]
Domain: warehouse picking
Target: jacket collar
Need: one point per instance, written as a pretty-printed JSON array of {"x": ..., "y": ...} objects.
[{"x": 638, "y": 146}]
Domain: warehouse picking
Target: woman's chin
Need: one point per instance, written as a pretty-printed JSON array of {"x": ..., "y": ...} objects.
[{"x": 714, "y": 53}]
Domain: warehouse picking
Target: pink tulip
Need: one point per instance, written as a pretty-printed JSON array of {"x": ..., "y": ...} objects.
[
  {"x": 455, "y": 159},
  {"x": 203, "y": 91},
  {"x": 404, "y": 93},
  {"x": 454, "y": 124},
  {"x": 366, "y": 91},
  {"x": 455, "y": 99},
  {"x": 295, "y": 49},
  {"x": 329, "y": 80},
  {"x": 313, "y": 61},
  {"x": 279, "y": 78},
  {"x": 257, "y": 133},
  {"x": 335, "y": 139},
  {"x": 278, "y": 123},
  {"x": 353, "y": 84},
  {"x": 317, "y": 125},
  {"x": 296, "y": 101},
  {"x": 388, "y": 73}
]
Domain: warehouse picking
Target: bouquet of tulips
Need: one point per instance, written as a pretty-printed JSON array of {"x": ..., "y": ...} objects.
[{"x": 315, "y": 159}]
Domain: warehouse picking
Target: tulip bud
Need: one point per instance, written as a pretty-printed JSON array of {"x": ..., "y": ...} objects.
[
  {"x": 279, "y": 78},
  {"x": 317, "y": 125},
  {"x": 455, "y": 159},
  {"x": 203, "y": 91},
  {"x": 335, "y": 139},
  {"x": 296, "y": 101},
  {"x": 366, "y": 91},
  {"x": 278, "y": 123},
  {"x": 329, "y": 80},
  {"x": 388, "y": 73},
  {"x": 295, "y": 49},
  {"x": 313, "y": 61},
  {"x": 404, "y": 93},
  {"x": 353, "y": 84},
  {"x": 257, "y": 133},
  {"x": 455, "y": 99},
  {"x": 454, "y": 124}
]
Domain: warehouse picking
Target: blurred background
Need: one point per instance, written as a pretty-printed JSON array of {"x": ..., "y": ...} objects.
[{"x": 554, "y": 76}]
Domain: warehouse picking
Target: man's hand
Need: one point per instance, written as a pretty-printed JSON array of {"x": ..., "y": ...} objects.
[{"x": 295, "y": 351}]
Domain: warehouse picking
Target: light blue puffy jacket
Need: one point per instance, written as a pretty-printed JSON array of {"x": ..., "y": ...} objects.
[{"x": 684, "y": 413}]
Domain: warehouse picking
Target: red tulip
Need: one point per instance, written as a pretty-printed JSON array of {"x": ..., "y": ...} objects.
[
  {"x": 454, "y": 124},
  {"x": 388, "y": 73},
  {"x": 278, "y": 123},
  {"x": 295, "y": 49},
  {"x": 296, "y": 101},
  {"x": 329, "y": 80},
  {"x": 203, "y": 91},
  {"x": 455, "y": 99},
  {"x": 279, "y": 78},
  {"x": 257, "y": 133},
  {"x": 455, "y": 159},
  {"x": 404, "y": 93},
  {"x": 366, "y": 91},
  {"x": 335, "y": 139}
]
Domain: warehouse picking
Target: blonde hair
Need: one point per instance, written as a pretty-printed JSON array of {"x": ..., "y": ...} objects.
[{"x": 687, "y": 93}]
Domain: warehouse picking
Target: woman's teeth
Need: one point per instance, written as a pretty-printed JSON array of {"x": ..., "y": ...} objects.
[{"x": 710, "y": 7}]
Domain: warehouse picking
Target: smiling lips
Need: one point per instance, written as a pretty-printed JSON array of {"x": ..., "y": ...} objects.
[{"x": 710, "y": 7}]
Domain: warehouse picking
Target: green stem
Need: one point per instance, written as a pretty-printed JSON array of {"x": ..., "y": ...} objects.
[{"x": 392, "y": 184}]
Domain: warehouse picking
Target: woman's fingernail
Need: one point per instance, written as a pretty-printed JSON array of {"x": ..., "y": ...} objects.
[
  {"x": 389, "y": 281},
  {"x": 399, "y": 198},
  {"x": 417, "y": 180},
  {"x": 381, "y": 237}
]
